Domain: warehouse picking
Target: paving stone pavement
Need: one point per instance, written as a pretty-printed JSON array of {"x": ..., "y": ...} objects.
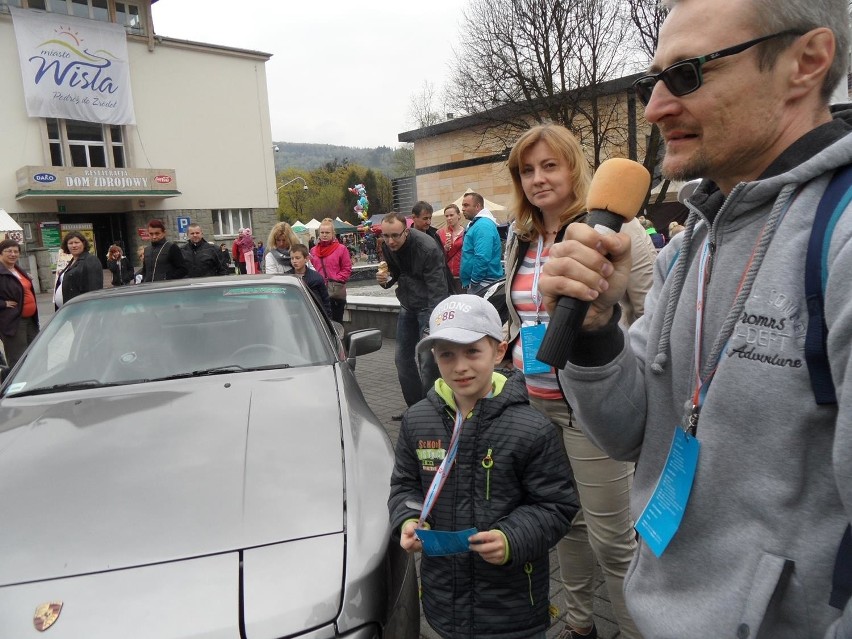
[{"x": 376, "y": 373}]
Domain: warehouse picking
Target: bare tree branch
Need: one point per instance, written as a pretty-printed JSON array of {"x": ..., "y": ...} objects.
[
  {"x": 543, "y": 60},
  {"x": 647, "y": 17},
  {"x": 421, "y": 109}
]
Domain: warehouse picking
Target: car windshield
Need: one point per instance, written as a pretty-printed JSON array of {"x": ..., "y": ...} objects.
[{"x": 156, "y": 335}]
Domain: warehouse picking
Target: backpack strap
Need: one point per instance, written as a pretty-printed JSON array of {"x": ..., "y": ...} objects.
[
  {"x": 841, "y": 583},
  {"x": 831, "y": 206}
]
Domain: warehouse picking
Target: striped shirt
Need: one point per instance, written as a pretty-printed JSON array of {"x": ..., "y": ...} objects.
[{"x": 544, "y": 385}]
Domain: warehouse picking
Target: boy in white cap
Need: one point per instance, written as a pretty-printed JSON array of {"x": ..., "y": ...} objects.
[{"x": 475, "y": 455}]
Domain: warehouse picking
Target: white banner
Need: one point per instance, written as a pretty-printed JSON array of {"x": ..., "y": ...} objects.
[{"x": 73, "y": 68}]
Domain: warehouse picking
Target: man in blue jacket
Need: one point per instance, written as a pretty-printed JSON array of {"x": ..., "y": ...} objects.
[{"x": 481, "y": 250}]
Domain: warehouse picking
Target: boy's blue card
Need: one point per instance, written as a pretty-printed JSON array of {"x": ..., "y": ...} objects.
[{"x": 445, "y": 542}]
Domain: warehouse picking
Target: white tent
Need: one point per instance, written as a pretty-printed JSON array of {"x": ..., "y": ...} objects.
[
  {"x": 500, "y": 212},
  {"x": 313, "y": 224},
  {"x": 7, "y": 223},
  {"x": 9, "y": 228}
]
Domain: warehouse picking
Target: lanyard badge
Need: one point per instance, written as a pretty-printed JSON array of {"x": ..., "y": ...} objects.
[
  {"x": 663, "y": 513},
  {"x": 532, "y": 336}
]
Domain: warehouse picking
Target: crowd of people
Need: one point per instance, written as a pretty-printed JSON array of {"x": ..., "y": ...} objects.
[
  {"x": 703, "y": 401},
  {"x": 696, "y": 444}
]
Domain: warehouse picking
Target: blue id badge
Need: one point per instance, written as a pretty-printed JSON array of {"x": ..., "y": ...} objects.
[
  {"x": 661, "y": 518},
  {"x": 531, "y": 338},
  {"x": 444, "y": 542}
]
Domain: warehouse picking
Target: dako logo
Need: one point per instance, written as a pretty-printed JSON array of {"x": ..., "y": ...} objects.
[
  {"x": 44, "y": 177},
  {"x": 163, "y": 179}
]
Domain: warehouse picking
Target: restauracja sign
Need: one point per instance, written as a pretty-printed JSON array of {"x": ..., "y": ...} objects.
[{"x": 73, "y": 68}]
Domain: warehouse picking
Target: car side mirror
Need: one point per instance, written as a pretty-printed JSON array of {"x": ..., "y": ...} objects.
[{"x": 361, "y": 342}]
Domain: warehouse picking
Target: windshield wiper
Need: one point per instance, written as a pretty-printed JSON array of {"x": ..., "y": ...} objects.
[
  {"x": 269, "y": 367},
  {"x": 223, "y": 370},
  {"x": 218, "y": 370},
  {"x": 58, "y": 388}
]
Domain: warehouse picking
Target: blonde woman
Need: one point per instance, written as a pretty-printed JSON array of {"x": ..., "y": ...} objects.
[
  {"x": 281, "y": 240},
  {"x": 550, "y": 179},
  {"x": 331, "y": 260}
]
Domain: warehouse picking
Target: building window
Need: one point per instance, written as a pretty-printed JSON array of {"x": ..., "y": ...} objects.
[
  {"x": 55, "y": 141},
  {"x": 128, "y": 14},
  {"x": 230, "y": 221},
  {"x": 85, "y": 144},
  {"x": 117, "y": 142}
]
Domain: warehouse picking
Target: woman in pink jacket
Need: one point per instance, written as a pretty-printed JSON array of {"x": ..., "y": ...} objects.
[{"x": 331, "y": 260}]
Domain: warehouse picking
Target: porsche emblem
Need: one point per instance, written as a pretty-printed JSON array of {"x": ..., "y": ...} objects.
[{"x": 46, "y": 615}]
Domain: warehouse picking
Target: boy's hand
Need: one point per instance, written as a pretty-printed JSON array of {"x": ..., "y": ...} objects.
[
  {"x": 408, "y": 540},
  {"x": 491, "y": 546}
]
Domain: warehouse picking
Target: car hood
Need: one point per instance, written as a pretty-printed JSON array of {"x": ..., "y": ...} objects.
[
  {"x": 193, "y": 598},
  {"x": 128, "y": 476}
]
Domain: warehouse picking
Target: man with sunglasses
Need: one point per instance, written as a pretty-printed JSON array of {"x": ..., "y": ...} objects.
[
  {"x": 416, "y": 264},
  {"x": 743, "y": 483}
]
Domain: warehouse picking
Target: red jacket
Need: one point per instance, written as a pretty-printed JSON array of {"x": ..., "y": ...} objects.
[
  {"x": 454, "y": 253},
  {"x": 337, "y": 265}
]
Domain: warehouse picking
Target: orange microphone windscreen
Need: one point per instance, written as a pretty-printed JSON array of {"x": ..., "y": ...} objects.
[{"x": 619, "y": 186}]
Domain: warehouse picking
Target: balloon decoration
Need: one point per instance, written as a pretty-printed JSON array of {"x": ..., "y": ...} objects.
[{"x": 363, "y": 205}]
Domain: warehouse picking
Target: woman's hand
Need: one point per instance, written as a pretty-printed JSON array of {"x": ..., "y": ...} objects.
[{"x": 11, "y": 304}]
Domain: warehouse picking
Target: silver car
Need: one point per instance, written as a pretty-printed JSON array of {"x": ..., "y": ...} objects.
[{"x": 196, "y": 459}]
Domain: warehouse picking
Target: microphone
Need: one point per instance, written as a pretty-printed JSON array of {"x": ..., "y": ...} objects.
[{"x": 616, "y": 194}]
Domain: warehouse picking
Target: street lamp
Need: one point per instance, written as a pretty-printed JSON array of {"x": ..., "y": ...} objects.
[{"x": 293, "y": 180}]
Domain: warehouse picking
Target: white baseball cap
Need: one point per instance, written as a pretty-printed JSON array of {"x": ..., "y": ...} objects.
[{"x": 463, "y": 319}]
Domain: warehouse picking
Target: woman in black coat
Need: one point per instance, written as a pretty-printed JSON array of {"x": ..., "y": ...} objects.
[
  {"x": 18, "y": 306},
  {"x": 83, "y": 274},
  {"x": 119, "y": 266}
]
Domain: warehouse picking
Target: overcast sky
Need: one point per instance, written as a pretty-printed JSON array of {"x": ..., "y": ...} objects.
[{"x": 342, "y": 72}]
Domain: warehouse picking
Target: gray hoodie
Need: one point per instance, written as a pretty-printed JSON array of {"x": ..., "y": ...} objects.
[{"x": 772, "y": 494}]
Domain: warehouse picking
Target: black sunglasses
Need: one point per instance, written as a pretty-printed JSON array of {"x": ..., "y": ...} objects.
[{"x": 684, "y": 77}]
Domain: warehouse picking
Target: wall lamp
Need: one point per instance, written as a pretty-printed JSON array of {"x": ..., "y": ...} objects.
[{"x": 293, "y": 180}]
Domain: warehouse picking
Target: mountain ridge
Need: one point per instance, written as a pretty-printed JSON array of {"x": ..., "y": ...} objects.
[{"x": 309, "y": 156}]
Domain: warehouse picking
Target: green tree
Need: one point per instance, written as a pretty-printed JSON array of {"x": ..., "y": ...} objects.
[
  {"x": 293, "y": 197},
  {"x": 324, "y": 202},
  {"x": 402, "y": 164},
  {"x": 328, "y": 193}
]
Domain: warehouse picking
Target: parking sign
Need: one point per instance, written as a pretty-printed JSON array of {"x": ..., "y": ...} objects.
[{"x": 182, "y": 227}]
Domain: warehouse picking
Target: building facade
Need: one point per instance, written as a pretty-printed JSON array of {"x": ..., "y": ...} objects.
[
  {"x": 196, "y": 146},
  {"x": 470, "y": 152}
]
